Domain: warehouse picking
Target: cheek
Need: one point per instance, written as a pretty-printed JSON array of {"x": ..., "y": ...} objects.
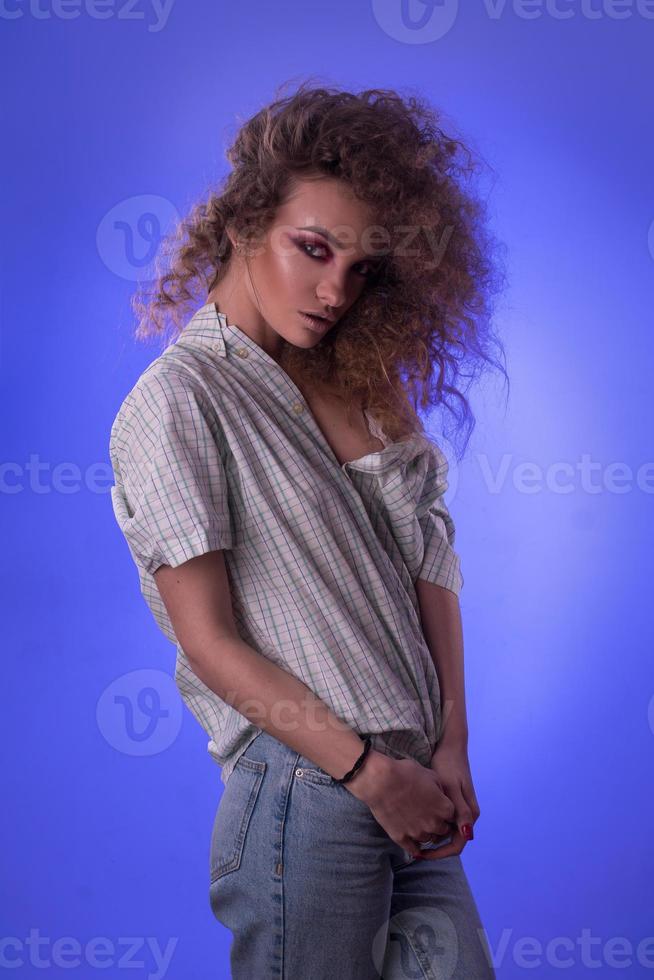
[{"x": 288, "y": 272}]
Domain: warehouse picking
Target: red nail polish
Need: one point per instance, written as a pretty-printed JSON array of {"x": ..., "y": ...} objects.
[{"x": 466, "y": 830}]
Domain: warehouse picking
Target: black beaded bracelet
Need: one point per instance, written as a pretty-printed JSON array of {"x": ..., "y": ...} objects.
[{"x": 357, "y": 765}]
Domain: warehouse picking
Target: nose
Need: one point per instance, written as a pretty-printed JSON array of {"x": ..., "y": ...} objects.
[{"x": 331, "y": 291}]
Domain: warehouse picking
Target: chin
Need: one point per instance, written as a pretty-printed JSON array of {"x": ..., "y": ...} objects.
[{"x": 306, "y": 342}]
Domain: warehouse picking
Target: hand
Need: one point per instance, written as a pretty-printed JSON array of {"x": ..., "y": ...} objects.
[
  {"x": 450, "y": 764},
  {"x": 405, "y": 798}
]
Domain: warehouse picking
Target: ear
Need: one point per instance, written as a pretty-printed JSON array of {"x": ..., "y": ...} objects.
[{"x": 229, "y": 231}]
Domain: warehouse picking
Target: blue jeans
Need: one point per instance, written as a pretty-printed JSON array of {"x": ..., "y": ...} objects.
[{"x": 312, "y": 887}]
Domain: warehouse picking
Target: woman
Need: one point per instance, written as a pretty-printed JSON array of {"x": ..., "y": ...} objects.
[{"x": 285, "y": 510}]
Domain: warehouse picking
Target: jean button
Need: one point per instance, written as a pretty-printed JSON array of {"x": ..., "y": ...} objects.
[{"x": 299, "y": 772}]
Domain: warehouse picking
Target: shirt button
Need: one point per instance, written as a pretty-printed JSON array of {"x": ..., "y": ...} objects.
[
  {"x": 298, "y": 407},
  {"x": 242, "y": 351}
]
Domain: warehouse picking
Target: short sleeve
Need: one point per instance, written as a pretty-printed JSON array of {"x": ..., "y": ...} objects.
[
  {"x": 170, "y": 496},
  {"x": 441, "y": 564}
]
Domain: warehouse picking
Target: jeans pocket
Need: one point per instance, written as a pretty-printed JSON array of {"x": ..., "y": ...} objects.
[{"x": 232, "y": 818}]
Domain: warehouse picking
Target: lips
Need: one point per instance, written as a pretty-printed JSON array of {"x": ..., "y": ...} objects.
[
  {"x": 321, "y": 316},
  {"x": 315, "y": 322}
]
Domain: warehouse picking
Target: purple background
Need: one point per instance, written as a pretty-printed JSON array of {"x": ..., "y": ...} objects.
[{"x": 108, "y": 835}]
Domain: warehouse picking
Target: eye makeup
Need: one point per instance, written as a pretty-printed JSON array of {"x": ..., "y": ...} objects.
[{"x": 303, "y": 243}]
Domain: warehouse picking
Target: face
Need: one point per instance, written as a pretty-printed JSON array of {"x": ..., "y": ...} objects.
[{"x": 298, "y": 269}]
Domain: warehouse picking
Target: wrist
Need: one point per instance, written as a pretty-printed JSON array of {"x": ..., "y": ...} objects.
[
  {"x": 454, "y": 726},
  {"x": 454, "y": 738},
  {"x": 367, "y": 781}
]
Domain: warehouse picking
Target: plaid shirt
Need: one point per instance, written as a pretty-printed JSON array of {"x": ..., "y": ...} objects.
[{"x": 216, "y": 448}]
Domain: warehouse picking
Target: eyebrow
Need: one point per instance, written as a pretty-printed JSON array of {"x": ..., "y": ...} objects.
[{"x": 330, "y": 238}]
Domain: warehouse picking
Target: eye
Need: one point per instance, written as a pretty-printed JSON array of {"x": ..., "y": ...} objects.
[
  {"x": 304, "y": 244},
  {"x": 373, "y": 269}
]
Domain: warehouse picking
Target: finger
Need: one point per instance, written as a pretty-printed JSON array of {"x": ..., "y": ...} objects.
[
  {"x": 456, "y": 845},
  {"x": 416, "y": 844},
  {"x": 472, "y": 802},
  {"x": 432, "y": 839},
  {"x": 442, "y": 832},
  {"x": 464, "y": 814}
]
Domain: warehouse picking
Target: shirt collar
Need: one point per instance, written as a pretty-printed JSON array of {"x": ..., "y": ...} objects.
[
  {"x": 209, "y": 326},
  {"x": 209, "y": 330}
]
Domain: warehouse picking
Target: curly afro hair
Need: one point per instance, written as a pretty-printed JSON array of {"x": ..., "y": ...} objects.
[{"x": 423, "y": 322}]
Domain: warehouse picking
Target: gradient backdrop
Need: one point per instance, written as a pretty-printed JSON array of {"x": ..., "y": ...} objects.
[{"x": 116, "y": 117}]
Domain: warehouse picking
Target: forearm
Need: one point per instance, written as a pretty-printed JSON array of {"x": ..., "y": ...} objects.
[
  {"x": 441, "y": 622},
  {"x": 281, "y": 704}
]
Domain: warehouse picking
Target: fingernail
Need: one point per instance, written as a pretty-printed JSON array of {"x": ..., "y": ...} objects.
[{"x": 466, "y": 830}]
